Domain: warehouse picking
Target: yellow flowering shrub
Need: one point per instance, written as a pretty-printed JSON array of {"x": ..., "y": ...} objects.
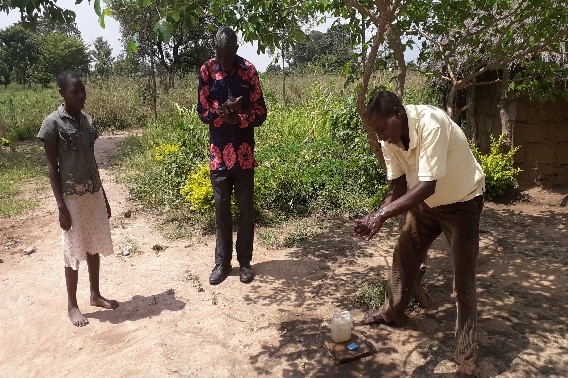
[
  {"x": 164, "y": 150},
  {"x": 197, "y": 190}
]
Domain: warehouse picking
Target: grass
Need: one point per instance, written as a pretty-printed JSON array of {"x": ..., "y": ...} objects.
[
  {"x": 22, "y": 176},
  {"x": 372, "y": 295},
  {"x": 291, "y": 233}
]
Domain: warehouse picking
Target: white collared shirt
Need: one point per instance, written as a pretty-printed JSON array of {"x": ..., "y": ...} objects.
[{"x": 438, "y": 150}]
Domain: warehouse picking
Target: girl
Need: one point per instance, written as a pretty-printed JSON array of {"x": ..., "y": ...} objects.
[{"x": 68, "y": 137}]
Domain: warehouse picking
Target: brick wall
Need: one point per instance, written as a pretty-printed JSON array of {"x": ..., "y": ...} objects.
[{"x": 540, "y": 129}]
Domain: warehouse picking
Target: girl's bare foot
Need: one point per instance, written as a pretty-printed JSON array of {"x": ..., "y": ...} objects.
[
  {"x": 100, "y": 301},
  {"x": 77, "y": 318}
]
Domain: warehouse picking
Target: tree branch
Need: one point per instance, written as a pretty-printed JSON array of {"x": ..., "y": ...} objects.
[{"x": 364, "y": 11}]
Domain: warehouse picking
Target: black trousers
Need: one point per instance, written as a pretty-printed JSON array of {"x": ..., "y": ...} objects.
[{"x": 223, "y": 183}]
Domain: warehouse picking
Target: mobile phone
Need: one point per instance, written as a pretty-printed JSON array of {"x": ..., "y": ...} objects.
[{"x": 352, "y": 346}]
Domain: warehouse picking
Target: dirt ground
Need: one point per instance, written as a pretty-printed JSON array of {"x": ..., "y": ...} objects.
[{"x": 171, "y": 322}]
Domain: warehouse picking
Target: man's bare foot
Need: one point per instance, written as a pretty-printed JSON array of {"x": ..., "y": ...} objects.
[
  {"x": 77, "y": 318},
  {"x": 104, "y": 303}
]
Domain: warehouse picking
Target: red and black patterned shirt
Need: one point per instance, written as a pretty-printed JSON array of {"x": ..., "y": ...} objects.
[{"x": 230, "y": 146}]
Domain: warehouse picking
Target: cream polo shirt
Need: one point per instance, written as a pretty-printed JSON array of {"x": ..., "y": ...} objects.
[{"x": 438, "y": 150}]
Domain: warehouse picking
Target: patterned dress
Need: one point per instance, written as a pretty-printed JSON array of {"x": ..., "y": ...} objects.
[{"x": 81, "y": 186}]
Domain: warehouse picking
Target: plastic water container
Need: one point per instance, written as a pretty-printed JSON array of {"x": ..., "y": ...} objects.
[{"x": 341, "y": 327}]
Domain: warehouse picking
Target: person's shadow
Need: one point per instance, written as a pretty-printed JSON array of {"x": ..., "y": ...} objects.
[{"x": 139, "y": 307}]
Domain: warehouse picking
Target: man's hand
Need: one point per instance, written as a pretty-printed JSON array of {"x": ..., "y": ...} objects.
[
  {"x": 369, "y": 225},
  {"x": 228, "y": 116},
  {"x": 234, "y": 104},
  {"x": 64, "y": 218}
]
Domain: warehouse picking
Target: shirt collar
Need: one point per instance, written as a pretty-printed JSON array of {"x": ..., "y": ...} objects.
[
  {"x": 63, "y": 113},
  {"x": 413, "y": 116}
]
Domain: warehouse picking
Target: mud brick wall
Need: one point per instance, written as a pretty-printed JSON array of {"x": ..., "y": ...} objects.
[{"x": 540, "y": 129}]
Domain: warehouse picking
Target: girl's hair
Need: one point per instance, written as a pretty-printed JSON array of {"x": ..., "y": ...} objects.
[
  {"x": 64, "y": 77},
  {"x": 383, "y": 103},
  {"x": 226, "y": 38}
]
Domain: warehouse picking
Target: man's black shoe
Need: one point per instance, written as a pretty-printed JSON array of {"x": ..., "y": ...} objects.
[
  {"x": 247, "y": 275},
  {"x": 219, "y": 273}
]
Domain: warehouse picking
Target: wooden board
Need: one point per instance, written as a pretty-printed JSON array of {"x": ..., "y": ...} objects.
[{"x": 342, "y": 355}]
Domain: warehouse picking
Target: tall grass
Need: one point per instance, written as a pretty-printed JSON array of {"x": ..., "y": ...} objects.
[{"x": 22, "y": 177}]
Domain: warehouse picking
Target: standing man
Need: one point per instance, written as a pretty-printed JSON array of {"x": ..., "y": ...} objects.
[
  {"x": 230, "y": 101},
  {"x": 435, "y": 178}
]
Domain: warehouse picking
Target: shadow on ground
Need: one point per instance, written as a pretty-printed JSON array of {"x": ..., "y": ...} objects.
[
  {"x": 139, "y": 307},
  {"x": 521, "y": 297}
]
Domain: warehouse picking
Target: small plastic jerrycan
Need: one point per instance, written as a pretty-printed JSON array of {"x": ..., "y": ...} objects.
[{"x": 341, "y": 327}]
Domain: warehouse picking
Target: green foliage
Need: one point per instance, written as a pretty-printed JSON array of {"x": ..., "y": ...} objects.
[
  {"x": 330, "y": 51},
  {"x": 178, "y": 33},
  {"x": 500, "y": 173},
  {"x": 312, "y": 153},
  {"x": 22, "y": 175},
  {"x": 324, "y": 166},
  {"x": 101, "y": 53},
  {"x": 158, "y": 169},
  {"x": 197, "y": 190},
  {"x": 116, "y": 104},
  {"x": 22, "y": 111},
  {"x": 59, "y": 52},
  {"x": 372, "y": 295}
]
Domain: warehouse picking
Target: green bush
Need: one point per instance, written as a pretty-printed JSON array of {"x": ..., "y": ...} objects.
[
  {"x": 312, "y": 151},
  {"x": 166, "y": 154},
  {"x": 314, "y": 159},
  {"x": 500, "y": 173}
]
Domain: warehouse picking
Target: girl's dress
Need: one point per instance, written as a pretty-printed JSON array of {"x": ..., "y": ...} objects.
[{"x": 81, "y": 185}]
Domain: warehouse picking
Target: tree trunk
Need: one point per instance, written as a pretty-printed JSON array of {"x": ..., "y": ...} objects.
[
  {"x": 361, "y": 107},
  {"x": 284, "y": 73},
  {"x": 363, "y": 44},
  {"x": 153, "y": 89},
  {"x": 471, "y": 124},
  {"x": 450, "y": 103},
  {"x": 506, "y": 129}
]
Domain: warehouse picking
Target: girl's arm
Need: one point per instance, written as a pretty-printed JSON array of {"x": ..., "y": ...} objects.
[
  {"x": 109, "y": 213},
  {"x": 55, "y": 181}
]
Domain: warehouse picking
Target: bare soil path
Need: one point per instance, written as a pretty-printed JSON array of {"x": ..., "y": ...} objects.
[{"x": 172, "y": 323}]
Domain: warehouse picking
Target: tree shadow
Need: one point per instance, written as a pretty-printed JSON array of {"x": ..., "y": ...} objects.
[
  {"x": 522, "y": 266},
  {"x": 521, "y": 276},
  {"x": 301, "y": 347},
  {"x": 139, "y": 307},
  {"x": 310, "y": 272}
]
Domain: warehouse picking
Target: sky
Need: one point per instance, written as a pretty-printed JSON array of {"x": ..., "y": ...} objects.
[{"x": 87, "y": 23}]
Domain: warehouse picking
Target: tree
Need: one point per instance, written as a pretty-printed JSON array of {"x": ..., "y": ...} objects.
[
  {"x": 178, "y": 35},
  {"x": 331, "y": 50},
  {"x": 30, "y": 11},
  {"x": 127, "y": 65},
  {"x": 101, "y": 53},
  {"x": 58, "y": 52},
  {"x": 45, "y": 25},
  {"x": 468, "y": 39},
  {"x": 21, "y": 49},
  {"x": 5, "y": 70}
]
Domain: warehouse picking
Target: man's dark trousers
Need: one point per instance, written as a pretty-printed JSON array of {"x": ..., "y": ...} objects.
[{"x": 223, "y": 182}]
